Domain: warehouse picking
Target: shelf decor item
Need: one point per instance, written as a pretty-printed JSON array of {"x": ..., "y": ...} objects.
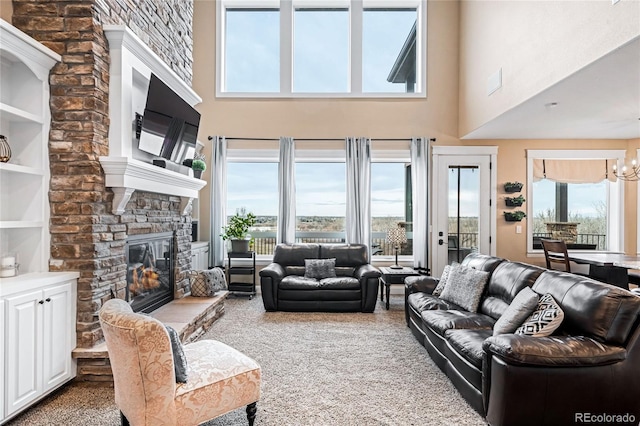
[
  {"x": 198, "y": 167},
  {"x": 8, "y": 266},
  {"x": 511, "y": 187},
  {"x": 5, "y": 149},
  {"x": 514, "y": 201},
  {"x": 237, "y": 230},
  {"x": 515, "y": 216}
]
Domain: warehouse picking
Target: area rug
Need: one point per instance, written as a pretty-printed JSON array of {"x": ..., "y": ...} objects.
[{"x": 317, "y": 369}]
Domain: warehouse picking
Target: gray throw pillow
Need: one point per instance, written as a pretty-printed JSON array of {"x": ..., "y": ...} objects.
[
  {"x": 519, "y": 310},
  {"x": 443, "y": 278},
  {"x": 544, "y": 320},
  {"x": 207, "y": 282},
  {"x": 465, "y": 287},
  {"x": 179, "y": 359},
  {"x": 320, "y": 268}
]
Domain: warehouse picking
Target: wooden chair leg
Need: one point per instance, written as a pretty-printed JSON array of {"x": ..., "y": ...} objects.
[
  {"x": 251, "y": 412},
  {"x": 123, "y": 420}
]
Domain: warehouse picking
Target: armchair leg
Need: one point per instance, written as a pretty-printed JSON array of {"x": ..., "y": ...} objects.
[
  {"x": 251, "y": 412},
  {"x": 123, "y": 420}
]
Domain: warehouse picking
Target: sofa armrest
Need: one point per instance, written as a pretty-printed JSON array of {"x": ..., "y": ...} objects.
[
  {"x": 420, "y": 284},
  {"x": 553, "y": 351},
  {"x": 274, "y": 271},
  {"x": 366, "y": 271}
]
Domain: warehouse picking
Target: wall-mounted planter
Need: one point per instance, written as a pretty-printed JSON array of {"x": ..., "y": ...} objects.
[
  {"x": 514, "y": 201},
  {"x": 511, "y": 187},
  {"x": 515, "y": 216}
]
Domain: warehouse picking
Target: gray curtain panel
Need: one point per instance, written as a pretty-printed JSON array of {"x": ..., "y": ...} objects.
[
  {"x": 286, "y": 232},
  {"x": 358, "y": 220},
  {"x": 218, "y": 190},
  {"x": 420, "y": 155}
]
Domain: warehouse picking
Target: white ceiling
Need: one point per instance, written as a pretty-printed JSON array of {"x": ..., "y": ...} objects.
[{"x": 601, "y": 101}]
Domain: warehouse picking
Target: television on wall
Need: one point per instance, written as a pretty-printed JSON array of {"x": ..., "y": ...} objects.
[{"x": 169, "y": 124}]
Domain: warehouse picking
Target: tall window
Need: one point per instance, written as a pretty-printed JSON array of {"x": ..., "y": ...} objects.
[
  {"x": 261, "y": 200},
  {"x": 573, "y": 196},
  {"x": 320, "y": 202},
  {"x": 321, "y": 47}
]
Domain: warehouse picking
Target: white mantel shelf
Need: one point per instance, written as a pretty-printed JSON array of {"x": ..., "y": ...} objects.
[{"x": 125, "y": 175}]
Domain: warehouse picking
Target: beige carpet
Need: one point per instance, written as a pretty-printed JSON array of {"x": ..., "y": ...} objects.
[{"x": 318, "y": 369}]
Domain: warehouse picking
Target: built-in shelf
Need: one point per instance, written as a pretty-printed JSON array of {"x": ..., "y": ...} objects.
[
  {"x": 132, "y": 63},
  {"x": 17, "y": 114},
  {"x": 17, "y": 168},
  {"x": 14, "y": 224}
]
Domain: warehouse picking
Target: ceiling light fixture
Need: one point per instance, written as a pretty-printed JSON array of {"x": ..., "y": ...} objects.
[{"x": 626, "y": 174}]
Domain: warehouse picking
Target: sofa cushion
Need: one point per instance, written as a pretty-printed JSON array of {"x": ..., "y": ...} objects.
[
  {"x": 320, "y": 268},
  {"x": 468, "y": 344},
  {"x": 347, "y": 283},
  {"x": 345, "y": 254},
  {"x": 295, "y": 254},
  {"x": 465, "y": 287},
  {"x": 482, "y": 262},
  {"x": 518, "y": 311},
  {"x": 440, "y": 321},
  {"x": 179, "y": 358},
  {"x": 591, "y": 308},
  {"x": 544, "y": 320},
  {"x": 506, "y": 281},
  {"x": 444, "y": 277},
  {"x": 425, "y": 302},
  {"x": 295, "y": 282}
]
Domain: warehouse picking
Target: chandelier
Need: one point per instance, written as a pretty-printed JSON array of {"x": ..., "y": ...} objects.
[{"x": 632, "y": 174}]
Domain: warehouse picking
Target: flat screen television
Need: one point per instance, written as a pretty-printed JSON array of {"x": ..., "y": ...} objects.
[{"x": 169, "y": 124}]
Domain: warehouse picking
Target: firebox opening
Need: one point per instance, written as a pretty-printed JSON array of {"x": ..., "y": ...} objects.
[{"x": 150, "y": 277}]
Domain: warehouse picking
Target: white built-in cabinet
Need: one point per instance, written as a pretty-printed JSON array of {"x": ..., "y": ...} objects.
[
  {"x": 37, "y": 307},
  {"x": 199, "y": 255}
]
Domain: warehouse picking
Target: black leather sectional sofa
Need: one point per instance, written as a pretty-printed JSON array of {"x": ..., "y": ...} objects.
[
  {"x": 589, "y": 367},
  {"x": 353, "y": 289}
]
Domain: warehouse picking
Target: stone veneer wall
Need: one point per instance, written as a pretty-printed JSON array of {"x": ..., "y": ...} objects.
[{"x": 85, "y": 236}]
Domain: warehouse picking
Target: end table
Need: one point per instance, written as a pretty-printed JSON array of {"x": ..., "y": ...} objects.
[{"x": 393, "y": 276}]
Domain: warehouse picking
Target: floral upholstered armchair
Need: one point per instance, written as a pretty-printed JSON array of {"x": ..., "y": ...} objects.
[{"x": 219, "y": 379}]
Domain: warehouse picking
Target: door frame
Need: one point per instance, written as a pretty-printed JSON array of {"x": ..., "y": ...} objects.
[{"x": 439, "y": 192}]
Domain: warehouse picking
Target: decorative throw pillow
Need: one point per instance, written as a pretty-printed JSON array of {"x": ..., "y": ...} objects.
[
  {"x": 443, "y": 278},
  {"x": 465, "y": 287},
  {"x": 179, "y": 359},
  {"x": 544, "y": 320},
  {"x": 519, "y": 310},
  {"x": 207, "y": 282},
  {"x": 320, "y": 268}
]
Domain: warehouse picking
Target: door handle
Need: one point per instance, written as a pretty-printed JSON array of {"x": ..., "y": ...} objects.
[{"x": 440, "y": 242}]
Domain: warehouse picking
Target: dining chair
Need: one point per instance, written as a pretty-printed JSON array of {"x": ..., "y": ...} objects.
[
  {"x": 218, "y": 378},
  {"x": 555, "y": 252}
]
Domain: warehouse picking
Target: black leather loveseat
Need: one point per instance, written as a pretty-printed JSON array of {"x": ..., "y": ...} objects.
[
  {"x": 589, "y": 367},
  {"x": 354, "y": 288}
]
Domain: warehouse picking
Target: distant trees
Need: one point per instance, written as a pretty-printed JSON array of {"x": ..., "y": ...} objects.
[{"x": 587, "y": 224}]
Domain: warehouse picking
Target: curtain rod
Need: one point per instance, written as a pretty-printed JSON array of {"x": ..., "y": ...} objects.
[{"x": 313, "y": 139}]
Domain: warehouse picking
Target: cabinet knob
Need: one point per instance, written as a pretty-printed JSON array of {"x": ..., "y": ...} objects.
[
  {"x": 41, "y": 302},
  {"x": 48, "y": 299}
]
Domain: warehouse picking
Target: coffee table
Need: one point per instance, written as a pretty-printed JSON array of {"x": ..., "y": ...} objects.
[{"x": 393, "y": 276}]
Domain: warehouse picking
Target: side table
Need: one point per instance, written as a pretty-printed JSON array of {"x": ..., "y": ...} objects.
[{"x": 393, "y": 276}]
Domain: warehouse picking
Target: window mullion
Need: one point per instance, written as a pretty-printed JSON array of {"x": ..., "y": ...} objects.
[
  {"x": 286, "y": 46},
  {"x": 355, "y": 52}
]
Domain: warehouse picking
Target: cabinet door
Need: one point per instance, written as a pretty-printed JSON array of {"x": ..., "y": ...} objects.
[
  {"x": 3, "y": 320},
  {"x": 23, "y": 349},
  {"x": 57, "y": 335}
]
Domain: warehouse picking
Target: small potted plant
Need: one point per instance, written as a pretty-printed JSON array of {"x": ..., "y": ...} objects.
[
  {"x": 515, "y": 216},
  {"x": 511, "y": 187},
  {"x": 198, "y": 166},
  {"x": 237, "y": 231},
  {"x": 514, "y": 201}
]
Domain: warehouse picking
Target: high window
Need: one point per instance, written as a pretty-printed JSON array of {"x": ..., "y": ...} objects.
[
  {"x": 574, "y": 197},
  {"x": 302, "y": 48}
]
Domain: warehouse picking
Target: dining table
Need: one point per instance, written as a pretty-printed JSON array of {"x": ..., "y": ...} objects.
[{"x": 612, "y": 268}]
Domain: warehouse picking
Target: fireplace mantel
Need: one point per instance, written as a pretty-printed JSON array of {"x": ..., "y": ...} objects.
[{"x": 132, "y": 63}]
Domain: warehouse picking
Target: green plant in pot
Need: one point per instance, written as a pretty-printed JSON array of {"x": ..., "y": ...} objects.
[
  {"x": 514, "y": 216},
  {"x": 237, "y": 230},
  {"x": 514, "y": 201},
  {"x": 512, "y": 187},
  {"x": 198, "y": 167}
]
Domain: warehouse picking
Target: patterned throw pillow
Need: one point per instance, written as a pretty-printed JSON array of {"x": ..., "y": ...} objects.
[
  {"x": 179, "y": 359},
  {"x": 443, "y": 278},
  {"x": 206, "y": 283},
  {"x": 519, "y": 310},
  {"x": 544, "y": 320},
  {"x": 465, "y": 287},
  {"x": 320, "y": 268}
]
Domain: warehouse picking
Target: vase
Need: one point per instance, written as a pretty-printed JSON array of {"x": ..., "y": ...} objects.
[
  {"x": 197, "y": 174},
  {"x": 240, "y": 246},
  {"x": 5, "y": 149}
]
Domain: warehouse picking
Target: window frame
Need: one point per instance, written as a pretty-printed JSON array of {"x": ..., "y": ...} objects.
[
  {"x": 356, "y": 10},
  {"x": 615, "y": 193}
]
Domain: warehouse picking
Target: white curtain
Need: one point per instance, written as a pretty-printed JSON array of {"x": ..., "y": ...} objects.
[
  {"x": 286, "y": 232},
  {"x": 419, "y": 196},
  {"x": 358, "y": 220},
  {"x": 218, "y": 190}
]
